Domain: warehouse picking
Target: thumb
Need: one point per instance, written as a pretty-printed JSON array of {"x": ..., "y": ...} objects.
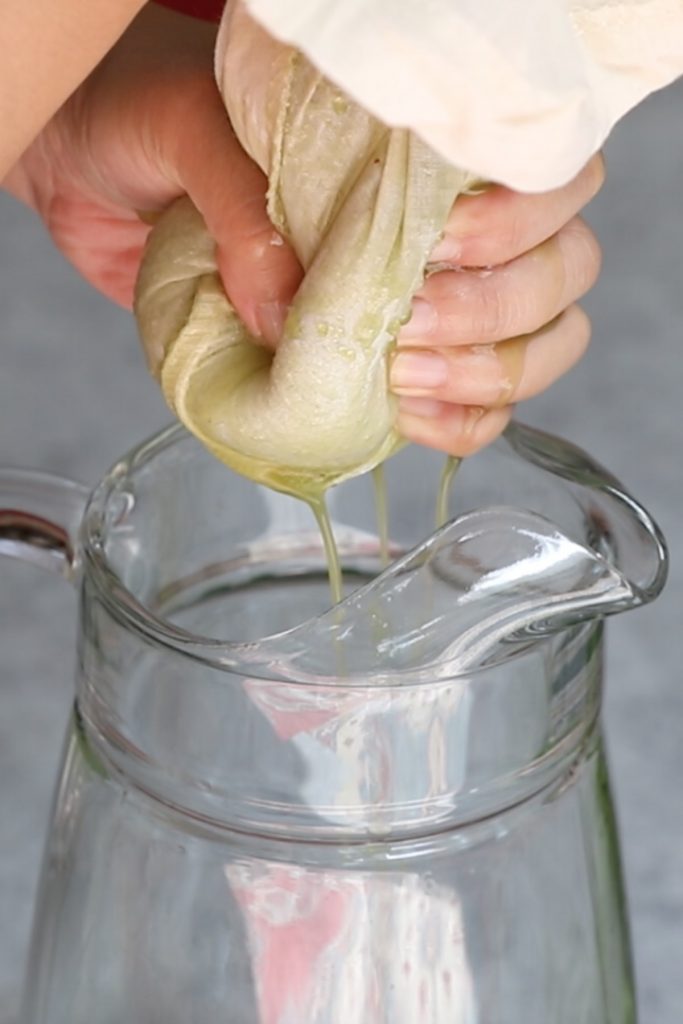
[{"x": 260, "y": 270}]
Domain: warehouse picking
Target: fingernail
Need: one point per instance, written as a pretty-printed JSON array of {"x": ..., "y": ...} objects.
[
  {"x": 427, "y": 408},
  {"x": 270, "y": 317},
  {"x": 448, "y": 250},
  {"x": 414, "y": 372},
  {"x": 423, "y": 320}
]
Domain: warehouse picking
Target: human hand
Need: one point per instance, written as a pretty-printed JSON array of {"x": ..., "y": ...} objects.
[
  {"x": 146, "y": 127},
  {"x": 482, "y": 339},
  {"x": 149, "y": 125}
]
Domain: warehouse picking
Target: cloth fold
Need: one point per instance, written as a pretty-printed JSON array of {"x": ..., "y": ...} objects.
[{"x": 521, "y": 92}]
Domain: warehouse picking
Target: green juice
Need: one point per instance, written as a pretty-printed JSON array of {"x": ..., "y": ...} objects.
[{"x": 319, "y": 509}]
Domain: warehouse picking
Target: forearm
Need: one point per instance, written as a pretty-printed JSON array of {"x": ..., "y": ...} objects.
[{"x": 48, "y": 47}]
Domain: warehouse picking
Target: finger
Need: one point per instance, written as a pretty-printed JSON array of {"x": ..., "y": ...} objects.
[
  {"x": 494, "y": 375},
  {"x": 104, "y": 244},
  {"x": 477, "y": 308},
  {"x": 459, "y": 430},
  {"x": 259, "y": 268},
  {"x": 498, "y": 225}
]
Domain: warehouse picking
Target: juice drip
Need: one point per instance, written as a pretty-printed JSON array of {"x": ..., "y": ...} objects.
[
  {"x": 317, "y": 504},
  {"x": 334, "y": 572},
  {"x": 448, "y": 472},
  {"x": 382, "y": 511},
  {"x": 319, "y": 509},
  {"x": 494, "y": 577}
]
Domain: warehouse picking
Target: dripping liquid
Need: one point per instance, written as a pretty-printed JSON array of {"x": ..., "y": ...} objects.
[
  {"x": 448, "y": 472},
  {"x": 382, "y": 512},
  {"x": 319, "y": 508}
]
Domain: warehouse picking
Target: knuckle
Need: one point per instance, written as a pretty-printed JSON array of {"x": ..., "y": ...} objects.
[
  {"x": 581, "y": 328},
  {"x": 257, "y": 245},
  {"x": 508, "y": 237},
  {"x": 253, "y": 240},
  {"x": 582, "y": 254},
  {"x": 589, "y": 180},
  {"x": 502, "y": 230},
  {"x": 249, "y": 217},
  {"x": 513, "y": 238},
  {"x": 597, "y": 173},
  {"x": 499, "y": 310},
  {"x": 592, "y": 263}
]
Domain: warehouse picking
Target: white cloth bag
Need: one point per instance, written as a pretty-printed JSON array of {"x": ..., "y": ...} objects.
[{"x": 521, "y": 92}]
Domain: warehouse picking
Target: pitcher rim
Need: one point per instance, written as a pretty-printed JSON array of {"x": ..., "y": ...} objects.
[{"x": 241, "y": 657}]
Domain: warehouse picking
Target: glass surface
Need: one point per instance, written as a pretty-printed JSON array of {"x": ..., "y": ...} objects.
[
  {"x": 149, "y": 916},
  {"x": 391, "y": 812}
]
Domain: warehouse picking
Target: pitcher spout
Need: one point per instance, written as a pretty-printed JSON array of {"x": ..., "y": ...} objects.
[{"x": 494, "y": 578}]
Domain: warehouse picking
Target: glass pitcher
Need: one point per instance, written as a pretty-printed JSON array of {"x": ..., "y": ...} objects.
[{"x": 246, "y": 835}]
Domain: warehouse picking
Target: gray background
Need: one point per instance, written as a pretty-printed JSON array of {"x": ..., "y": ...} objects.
[{"x": 74, "y": 394}]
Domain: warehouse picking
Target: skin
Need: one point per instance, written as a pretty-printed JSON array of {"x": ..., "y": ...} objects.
[
  {"x": 496, "y": 324},
  {"x": 35, "y": 77},
  {"x": 504, "y": 334}
]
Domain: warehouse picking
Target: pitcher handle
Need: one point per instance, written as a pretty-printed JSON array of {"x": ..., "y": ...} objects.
[{"x": 40, "y": 515}]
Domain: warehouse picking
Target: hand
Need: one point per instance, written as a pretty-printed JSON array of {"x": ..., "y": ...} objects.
[
  {"x": 147, "y": 126},
  {"x": 482, "y": 339}
]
